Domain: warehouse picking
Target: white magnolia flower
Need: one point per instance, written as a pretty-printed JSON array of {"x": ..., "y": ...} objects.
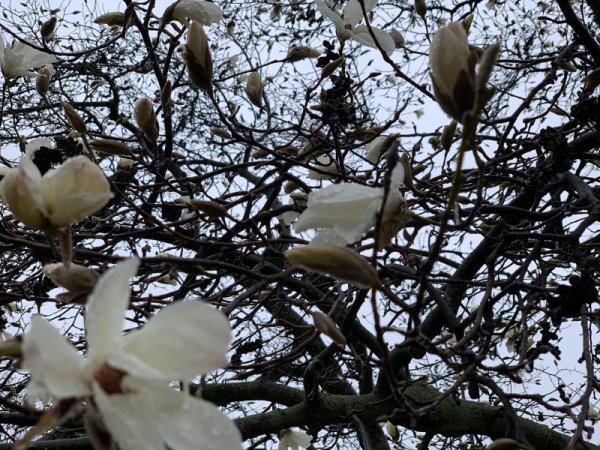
[
  {"x": 345, "y": 212},
  {"x": 293, "y": 439},
  {"x": 19, "y": 58},
  {"x": 34, "y": 145},
  {"x": 124, "y": 379},
  {"x": 200, "y": 11},
  {"x": 346, "y": 24},
  {"x": 65, "y": 195}
]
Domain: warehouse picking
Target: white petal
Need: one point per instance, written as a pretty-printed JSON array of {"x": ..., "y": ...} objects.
[
  {"x": 346, "y": 207},
  {"x": 361, "y": 34},
  {"x": 131, "y": 425},
  {"x": 330, "y": 14},
  {"x": 201, "y": 11},
  {"x": 183, "y": 340},
  {"x": 185, "y": 422},
  {"x": 56, "y": 367},
  {"x": 329, "y": 236},
  {"x": 398, "y": 175},
  {"x": 353, "y": 12},
  {"x": 300, "y": 438},
  {"x": 106, "y": 308}
]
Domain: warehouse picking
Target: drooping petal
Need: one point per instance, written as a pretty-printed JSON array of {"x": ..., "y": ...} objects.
[
  {"x": 56, "y": 367},
  {"x": 184, "y": 421},
  {"x": 106, "y": 308},
  {"x": 361, "y": 34},
  {"x": 183, "y": 340},
  {"x": 130, "y": 423}
]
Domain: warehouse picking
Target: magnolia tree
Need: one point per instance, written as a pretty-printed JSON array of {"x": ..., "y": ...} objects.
[{"x": 303, "y": 224}]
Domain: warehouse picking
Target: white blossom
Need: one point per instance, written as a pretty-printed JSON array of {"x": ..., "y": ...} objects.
[
  {"x": 18, "y": 59},
  {"x": 293, "y": 439},
  {"x": 125, "y": 378},
  {"x": 345, "y": 212},
  {"x": 65, "y": 195},
  {"x": 200, "y": 11},
  {"x": 347, "y": 27}
]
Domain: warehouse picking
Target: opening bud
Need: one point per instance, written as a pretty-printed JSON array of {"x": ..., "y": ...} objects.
[
  {"x": 198, "y": 58},
  {"x": 42, "y": 83}
]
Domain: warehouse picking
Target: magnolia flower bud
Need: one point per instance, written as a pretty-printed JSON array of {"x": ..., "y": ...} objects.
[
  {"x": 165, "y": 95},
  {"x": 74, "y": 118},
  {"x": 341, "y": 263},
  {"x": 325, "y": 325},
  {"x": 47, "y": 28},
  {"x": 112, "y": 19},
  {"x": 397, "y": 38},
  {"x": 198, "y": 58},
  {"x": 42, "y": 82},
  {"x": 453, "y": 70},
  {"x": 145, "y": 118},
  {"x": 505, "y": 444},
  {"x": 74, "y": 278},
  {"x": 392, "y": 430},
  {"x": 19, "y": 190},
  {"x": 254, "y": 88},
  {"x": 421, "y": 8},
  {"x": 110, "y": 147},
  {"x": 448, "y": 135},
  {"x": 301, "y": 52}
]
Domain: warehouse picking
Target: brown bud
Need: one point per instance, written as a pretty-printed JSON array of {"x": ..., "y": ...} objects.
[
  {"x": 254, "y": 88},
  {"x": 448, "y": 135},
  {"x": 111, "y": 147},
  {"x": 301, "y": 52},
  {"x": 165, "y": 95},
  {"x": 74, "y": 118},
  {"x": 325, "y": 325},
  {"x": 42, "y": 83},
  {"x": 145, "y": 118},
  {"x": 74, "y": 278},
  {"x": 341, "y": 263},
  {"x": 198, "y": 58},
  {"x": 421, "y": 8},
  {"x": 47, "y": 28},
  {"x": 112, "y": 19},
  {"x": 331, "y": 67},
  {"x": 505, "y": 444},
  {"x": 397, "y": 38}
]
